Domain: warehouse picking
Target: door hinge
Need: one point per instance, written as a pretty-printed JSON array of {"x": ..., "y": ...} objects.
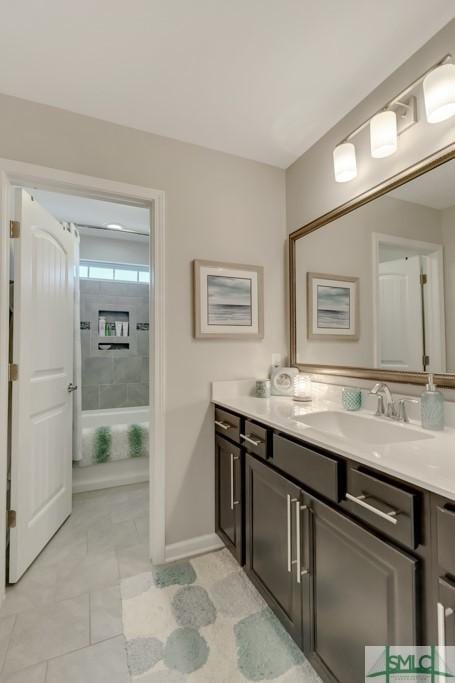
[
  {"x": 426, "y": 361},
  {"x": 13, "y": 372},
  {"x": 11, "y": 519},
  {"x": 423, "y": 278},
  {"x": 14, "y": 229}
]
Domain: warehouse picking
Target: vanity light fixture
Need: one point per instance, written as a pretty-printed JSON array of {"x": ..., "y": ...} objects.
[
  {"x": 398, "y": 115},
  {"x": 383, "y": 134},
  {"x": 344, "y": 162},
  {"x": 439, "y": 93}
]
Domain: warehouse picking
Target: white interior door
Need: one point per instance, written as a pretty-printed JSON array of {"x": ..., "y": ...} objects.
[
  {"x": 400, "y": 314},
  {"x": 41, "y": 437}
]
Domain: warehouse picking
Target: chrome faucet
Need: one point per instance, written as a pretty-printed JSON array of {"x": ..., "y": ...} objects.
[
  {"x": 387, "y": 406},
  {"x": 385, "y": 399}
]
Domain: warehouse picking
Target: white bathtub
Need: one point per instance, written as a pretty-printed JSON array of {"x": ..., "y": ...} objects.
[{"x": 116, "y": 473}]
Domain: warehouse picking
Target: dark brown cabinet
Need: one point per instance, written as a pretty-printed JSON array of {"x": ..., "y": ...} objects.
[
  {"x": 272, "y": 542},
  {"x": 229, "y": 496},
  {"x": 363, "y": 591}
]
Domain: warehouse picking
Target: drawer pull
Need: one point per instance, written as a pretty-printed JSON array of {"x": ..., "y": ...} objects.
[
  {"x": 253, "y": 442},
  {"x": 288, "y": 505},
  {"x": 224, "y": 425},
  {"x": 233, "y": 502},
  {"x": 360, "y": 500}
]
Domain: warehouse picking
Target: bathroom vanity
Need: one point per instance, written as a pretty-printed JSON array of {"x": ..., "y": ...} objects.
[{"x": 347, "y": 548}]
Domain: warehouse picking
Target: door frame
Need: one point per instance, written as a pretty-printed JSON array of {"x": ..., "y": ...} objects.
[
  {"x": 435, "y": 325},
  {"x": 30, "y": 175}
]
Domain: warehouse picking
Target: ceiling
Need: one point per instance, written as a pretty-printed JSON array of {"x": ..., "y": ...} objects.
[
  {"x": 94, "y": 212},
  {"x": 435, "y": 189},
  {"x": 261, "y": 79}
]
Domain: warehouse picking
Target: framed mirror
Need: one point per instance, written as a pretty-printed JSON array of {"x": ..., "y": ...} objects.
[{"x": 372, "y": 283}]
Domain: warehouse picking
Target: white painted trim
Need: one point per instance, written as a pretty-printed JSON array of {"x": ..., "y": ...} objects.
[
  {"x": 31, "y": 175},
  {"x": 193, "y": 546},
  {"x": 4, "y": 358}
]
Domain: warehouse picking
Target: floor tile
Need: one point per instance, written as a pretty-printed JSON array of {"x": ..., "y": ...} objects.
[
  {"x": 101, "y": 663},
  {"x": 130, "y": 509},
  {"x": 105, "y": 614},
  {"x": 142, "y": 526},
  {"x": 34, "y": 589},
  {"x": 33, "y": 674},
  {"x": 134, "y": 560},
  {"x": 111, "y": 536},
  {"x": 6, "y": 627},
  {"x": 47, "y": 632},
  {"x": 91, "y": 573}
]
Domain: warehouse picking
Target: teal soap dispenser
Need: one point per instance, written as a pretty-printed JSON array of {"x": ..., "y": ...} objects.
[{"x": 432, "y": 406}]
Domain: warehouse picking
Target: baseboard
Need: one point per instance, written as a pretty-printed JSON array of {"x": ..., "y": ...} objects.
[{"x": 193, "y": 546}]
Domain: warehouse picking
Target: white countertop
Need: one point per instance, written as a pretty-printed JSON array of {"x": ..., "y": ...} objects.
[{"x": 429, "y": 463}]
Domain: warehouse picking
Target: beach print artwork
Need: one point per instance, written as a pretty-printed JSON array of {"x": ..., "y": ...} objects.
[
  {"x": 229, "y": 301},
  {"x": 332, "y": 307}
]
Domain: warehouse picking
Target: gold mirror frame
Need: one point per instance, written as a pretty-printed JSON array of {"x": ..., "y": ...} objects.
[{"x": 427, "y": 164}]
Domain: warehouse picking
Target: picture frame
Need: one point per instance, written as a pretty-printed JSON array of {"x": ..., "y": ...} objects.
[
  {"x": 228, "y": 300},
  {"x": 333, "y": 309}
]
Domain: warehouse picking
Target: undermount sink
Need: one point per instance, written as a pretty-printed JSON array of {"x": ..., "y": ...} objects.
[{"x": 362, "y": 428}]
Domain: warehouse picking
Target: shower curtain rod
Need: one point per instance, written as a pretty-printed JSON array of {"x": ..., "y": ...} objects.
[{"x": 103, "y": 227}]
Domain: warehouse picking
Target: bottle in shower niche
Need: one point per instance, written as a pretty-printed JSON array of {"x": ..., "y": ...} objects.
[
  {"x": 432, "y": 406},
  {"x": 101, "y": 327}
]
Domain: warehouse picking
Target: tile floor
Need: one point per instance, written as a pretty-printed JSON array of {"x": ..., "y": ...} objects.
[{"x": 62, "y": 622}]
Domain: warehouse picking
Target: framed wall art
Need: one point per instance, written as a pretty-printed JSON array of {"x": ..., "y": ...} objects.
[
  {"x": 228, "y": 300},
  {"x": 333, "y": 307}
]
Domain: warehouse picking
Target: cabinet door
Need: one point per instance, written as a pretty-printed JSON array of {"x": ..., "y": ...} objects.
[
  {"x": 363, "y": 592},
  {"x": 229, "y": 496},
  {"x": 272, "y": 507}
]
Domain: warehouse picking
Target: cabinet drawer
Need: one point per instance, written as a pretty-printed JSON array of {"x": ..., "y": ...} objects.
[
  {"x": 227, "y": 424},
  {"x": 446, "y": 534},
  {"x": 319, "y": 472},
  {"x": 255, "y": 438},
  {"x": 383, "y": 506}
]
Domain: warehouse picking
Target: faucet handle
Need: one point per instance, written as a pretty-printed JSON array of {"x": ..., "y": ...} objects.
[
  {"x": 402, "y": 412},
  {"x": 380, "y": 403}
]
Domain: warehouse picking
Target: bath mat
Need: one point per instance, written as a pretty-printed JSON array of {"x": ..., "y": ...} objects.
[
  {"x": 202, "y": 620},
  {"x": 117, "y": 442}
]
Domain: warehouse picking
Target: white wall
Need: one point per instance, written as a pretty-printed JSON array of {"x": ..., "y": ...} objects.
[
  {"x": 311, "y": 190},
  {"x": 104, "y": 247},
  {"x": 218, "y": 207}
]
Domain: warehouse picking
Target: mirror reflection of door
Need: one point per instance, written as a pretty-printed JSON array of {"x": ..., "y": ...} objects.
[{"x": 409, "y": 296}]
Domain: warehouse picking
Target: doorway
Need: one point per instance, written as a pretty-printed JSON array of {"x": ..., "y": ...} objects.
[{"x": 40, "y": 179}]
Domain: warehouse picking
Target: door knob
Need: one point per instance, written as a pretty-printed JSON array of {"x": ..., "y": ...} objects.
[{"x": 71, "y": 387}]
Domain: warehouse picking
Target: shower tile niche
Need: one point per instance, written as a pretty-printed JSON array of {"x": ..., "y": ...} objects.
[{"x": 117, "y": 376}]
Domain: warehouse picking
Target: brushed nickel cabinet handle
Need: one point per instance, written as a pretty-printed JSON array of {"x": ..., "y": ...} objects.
[
  {"x": 388, "y": 516},
  {"x": 223, "y": 425},
  {"x": 233, "y": 459},
  {"x": 443, "y": 613},
  {"x": 288, "y": 502},
  {"x": 253, "y": 442},
  {"x": 298, "y": 509}
]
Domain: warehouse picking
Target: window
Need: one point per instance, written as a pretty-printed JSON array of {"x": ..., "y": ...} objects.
[{"x": 98, "y": 270}]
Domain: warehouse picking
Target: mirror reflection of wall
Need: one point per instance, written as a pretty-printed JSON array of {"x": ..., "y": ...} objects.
[{"x": 401, "y": 247}]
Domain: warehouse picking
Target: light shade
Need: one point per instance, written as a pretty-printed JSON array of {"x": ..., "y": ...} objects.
[
  {"x": 344, "y": 162},
  {"x": 383, "y": 134},
  {"x": 439, "y": 93}
]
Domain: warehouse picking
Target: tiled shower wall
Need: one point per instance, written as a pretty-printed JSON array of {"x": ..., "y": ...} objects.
[{"x": 117, "y": 378}]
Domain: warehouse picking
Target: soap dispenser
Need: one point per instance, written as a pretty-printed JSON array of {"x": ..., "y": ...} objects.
[{"x": 432, "y": 406}]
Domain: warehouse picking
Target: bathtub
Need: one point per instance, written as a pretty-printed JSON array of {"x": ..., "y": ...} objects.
[{"x": 116, "y": 472}]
